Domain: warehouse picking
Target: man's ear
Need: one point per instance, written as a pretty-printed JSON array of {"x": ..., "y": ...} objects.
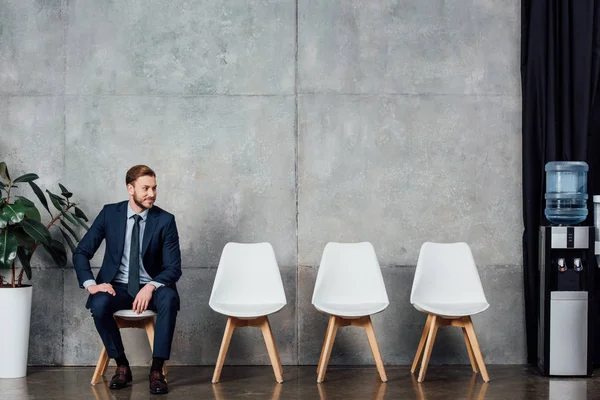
[{"x": 130, "y": 189}]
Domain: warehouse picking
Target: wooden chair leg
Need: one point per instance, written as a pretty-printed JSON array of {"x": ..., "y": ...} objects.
[
  {"x": 375, "y": 348},
  {"x": 428, "y": 347},
  {"x": 149, "y": 327},
  {"x": 229, "y": 328},
  {"x": 321, "y": 355},
  {"x": 272, "y": 349},
  {"x": 106, "y": 362},
  {"x": 476, "y": 349},
  {"x": 421, "y": 344},
  {"x": 101, "y": 366},
  {"x": 470, "y": 351},
  {"x": 331, "y": 321},
  {"x": 329, "y": 339},
  {"x": 277, "y": 352}
]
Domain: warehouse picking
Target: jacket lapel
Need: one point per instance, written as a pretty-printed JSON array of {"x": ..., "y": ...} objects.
[
  {"x": 121, "y": 226},
  {"x": 151, "y": 222}
]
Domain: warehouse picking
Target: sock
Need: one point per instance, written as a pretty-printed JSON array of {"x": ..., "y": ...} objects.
[
  {"x": 157, "y": 364},
  {"x": 122, "y": 360}
]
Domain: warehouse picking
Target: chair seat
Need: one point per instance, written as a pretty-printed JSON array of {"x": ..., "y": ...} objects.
[
  {"x": 351, "y": 310},
  {"x": 247, "y": 310},
  {"x": 131, "y": 315},
  {"x": 452, "y": 309}
]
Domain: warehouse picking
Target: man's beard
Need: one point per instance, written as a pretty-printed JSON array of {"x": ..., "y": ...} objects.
[{"x": 139, "y": 203}]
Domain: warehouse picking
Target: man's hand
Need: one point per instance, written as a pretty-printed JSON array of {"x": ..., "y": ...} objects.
[
  {"x": 140, "y": 304},
  {"x": 103, "y": 287}
]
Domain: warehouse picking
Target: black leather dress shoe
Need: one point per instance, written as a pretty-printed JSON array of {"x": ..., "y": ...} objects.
[
  {"x": 121, "y": 378},
  {"x": 158, "y": 384}
]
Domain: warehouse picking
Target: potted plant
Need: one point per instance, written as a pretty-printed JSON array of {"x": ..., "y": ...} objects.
[{"x": 21, "y": 233}]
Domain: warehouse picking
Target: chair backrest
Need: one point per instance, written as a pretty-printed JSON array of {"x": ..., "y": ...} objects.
[
  {"x": 248, "y": 273},
  {"x": 348, "y": 274},
  {"x": 446, "y": 273}
]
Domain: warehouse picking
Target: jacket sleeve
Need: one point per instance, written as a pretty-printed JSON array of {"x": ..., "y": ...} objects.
[
  {"x": 87, "y": 248},
  {"x": 171, "y": 261}
]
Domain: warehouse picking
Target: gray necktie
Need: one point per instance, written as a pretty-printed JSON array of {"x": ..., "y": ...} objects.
[{"x": 133, "y": 283}]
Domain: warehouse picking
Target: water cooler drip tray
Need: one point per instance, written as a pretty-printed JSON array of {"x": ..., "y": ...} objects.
[{"x": 568, "y": 345}]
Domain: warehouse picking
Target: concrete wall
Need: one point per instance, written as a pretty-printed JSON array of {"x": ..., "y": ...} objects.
[{"x": 293, "y": 122}]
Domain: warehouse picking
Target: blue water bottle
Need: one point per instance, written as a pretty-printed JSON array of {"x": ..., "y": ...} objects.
[{"x": 566, "y": 192}]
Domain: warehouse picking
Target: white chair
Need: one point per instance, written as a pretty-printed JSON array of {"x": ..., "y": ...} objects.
[
  {"x": 350, "y": 288},
  {"x": 247, "y": 289},
  {"x": 447, "y": 287},
  {"x": 127, "y": 319}
]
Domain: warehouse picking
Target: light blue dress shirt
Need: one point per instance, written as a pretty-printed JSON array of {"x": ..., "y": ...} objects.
[{"x": 123, "y": 273}]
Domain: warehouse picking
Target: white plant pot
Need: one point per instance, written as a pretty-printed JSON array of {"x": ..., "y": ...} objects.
[{"x": 15, "y": 316}]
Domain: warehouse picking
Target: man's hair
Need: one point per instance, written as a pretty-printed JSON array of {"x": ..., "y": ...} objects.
[{"x": 136, "y": 171}]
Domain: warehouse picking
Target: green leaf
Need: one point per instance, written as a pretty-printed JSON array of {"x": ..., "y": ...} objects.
[
  {"x": 56, "y": 201},
  {"x": 33, "y": 213},
  {"x": 31, "y": 210},
  {"x": 80, "y": 214},
  {"x": 57, "y": 252},
  {"x": 57, "y": 197},
  {"x": 68, "y": 240},
  {"x": 25, "y": 259},
  {"x": 65, "y": 192},
  {"x": 4, "y": 171},
  {"x": 26, "y": 178},
  {"x": 81, "y": 223},
  {"x": 12, "y": 213},
  {"x": 36, "y": 230},
  {"x": 71, "y": 230},
  {"x": 2, "y": 185},
  {"x": 69, "y": 218},
  {"x": 23, "y": 239},
  {"x": 25, "y": 201},
  {"x": 40, "y": 195},
  {"x": 8, "y": 249}
]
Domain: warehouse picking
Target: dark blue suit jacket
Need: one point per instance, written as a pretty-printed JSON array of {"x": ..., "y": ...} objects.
[{"x": 160, "y": 246}]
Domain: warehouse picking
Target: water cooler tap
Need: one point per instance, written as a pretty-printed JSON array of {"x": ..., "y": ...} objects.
[{"x": 562, "y": 266}]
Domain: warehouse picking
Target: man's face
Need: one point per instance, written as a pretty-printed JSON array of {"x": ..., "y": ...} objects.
[{"x": 143, "y": 191}]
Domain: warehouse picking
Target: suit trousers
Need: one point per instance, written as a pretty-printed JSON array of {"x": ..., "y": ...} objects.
[{"x": 164, "y": 302}]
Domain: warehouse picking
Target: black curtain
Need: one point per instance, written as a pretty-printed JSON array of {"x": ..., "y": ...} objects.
[{"x": 561, "y": 115}]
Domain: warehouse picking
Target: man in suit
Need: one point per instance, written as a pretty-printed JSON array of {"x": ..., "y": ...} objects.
[{"x": 142, "y": 262}]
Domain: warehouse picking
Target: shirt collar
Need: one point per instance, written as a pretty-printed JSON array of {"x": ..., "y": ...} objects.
[{"x": 131, "y": 213}]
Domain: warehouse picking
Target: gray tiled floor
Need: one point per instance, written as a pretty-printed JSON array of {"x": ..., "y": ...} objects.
[{"x": 442, "y": 382}]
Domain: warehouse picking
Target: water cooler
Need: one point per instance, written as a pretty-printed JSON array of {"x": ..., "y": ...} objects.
[
  {"x": 566, "y": 284},
  {"x": 566, "y": 280},
  {"x": 596, "y": 292}
]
